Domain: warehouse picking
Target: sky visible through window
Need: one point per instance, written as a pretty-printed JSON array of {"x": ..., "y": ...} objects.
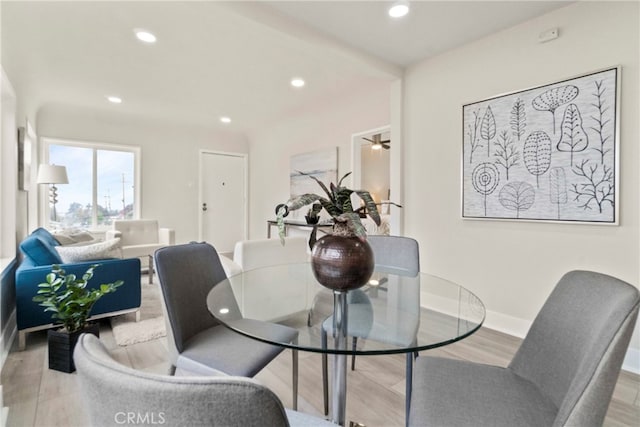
[{"x": 114, "y": 186}]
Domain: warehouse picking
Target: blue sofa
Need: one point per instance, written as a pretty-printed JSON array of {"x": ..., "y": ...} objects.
[{"x": 38, "y": 256}]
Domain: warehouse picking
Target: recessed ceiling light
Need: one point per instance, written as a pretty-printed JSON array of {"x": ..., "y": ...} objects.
[
  {"x": 225, "y": 119},
  {"x": 114, "y": 99},
  {"x": 145, "y": 36},
  {"x": 399, "y": 9},
  {"x": 297, "y": 82}
]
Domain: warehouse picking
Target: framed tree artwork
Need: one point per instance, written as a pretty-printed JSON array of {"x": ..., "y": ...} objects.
[{"x": 549, "y": 153}]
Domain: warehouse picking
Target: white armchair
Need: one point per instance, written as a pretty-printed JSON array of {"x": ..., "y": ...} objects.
[
  {"x": 250, "y": 254},
  {"x": 140, "y": 238}
]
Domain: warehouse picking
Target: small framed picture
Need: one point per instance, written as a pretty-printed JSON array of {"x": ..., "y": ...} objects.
[{"x": 25, "y": 140}]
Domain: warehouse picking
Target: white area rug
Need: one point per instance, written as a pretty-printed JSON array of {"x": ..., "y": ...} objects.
[{"x": 127, "y": 331}]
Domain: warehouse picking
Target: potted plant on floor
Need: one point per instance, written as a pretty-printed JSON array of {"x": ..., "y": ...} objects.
[
  {"x": 341, "y": 260},
  {"x": 68, "y": 297}
]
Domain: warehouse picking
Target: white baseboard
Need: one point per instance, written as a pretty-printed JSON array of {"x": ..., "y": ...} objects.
[
  {"x": 518, "y": 328},
  {"x": 506, "y": 324},
  {"x": 632, "y": 361},
  {"x": 6, "y": 338},
  {"x": 4, "y": 416},
  {"x": 4, "y": 411}
]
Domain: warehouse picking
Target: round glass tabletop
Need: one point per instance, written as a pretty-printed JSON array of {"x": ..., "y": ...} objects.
[{"x": 393, "y": 313}]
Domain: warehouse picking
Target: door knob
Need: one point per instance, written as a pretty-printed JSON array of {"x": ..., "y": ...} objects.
[{"x": 204, "y": 207}]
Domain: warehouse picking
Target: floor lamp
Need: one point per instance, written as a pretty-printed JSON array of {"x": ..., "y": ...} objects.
[{"x": 52, "y": 174}]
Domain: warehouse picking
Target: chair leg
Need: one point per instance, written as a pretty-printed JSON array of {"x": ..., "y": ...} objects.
[
  {"x": 294, "y": 379},
  {"x": 409, "y": 381},
  {"x": 325, "y": 375},
  {"x": 353, "y": 356}
]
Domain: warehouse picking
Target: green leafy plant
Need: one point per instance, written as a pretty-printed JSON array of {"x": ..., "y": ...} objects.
[
  {"x": 68, "y": 297},
  {"x": 337, "y": 203}
]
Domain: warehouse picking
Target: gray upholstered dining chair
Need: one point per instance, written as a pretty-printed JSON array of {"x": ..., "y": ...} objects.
[
  {"x": 197, "y": 342},
  {"x": 396, "y": 254},
  {"x": 115, "y": 395},
  {"x": 393, "y": 254},
  {"x": 563, "y": 374}
]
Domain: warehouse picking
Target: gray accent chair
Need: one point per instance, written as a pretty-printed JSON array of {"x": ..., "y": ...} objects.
[
  {"x": 393, "y": 254},
  {"x": 115, "y": 395},
  {"x": 197, "y": 342},
  {"x": 563, "y": 374}
]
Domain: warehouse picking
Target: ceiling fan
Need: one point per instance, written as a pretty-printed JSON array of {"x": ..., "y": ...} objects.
[{"x": 377, "y": 142}]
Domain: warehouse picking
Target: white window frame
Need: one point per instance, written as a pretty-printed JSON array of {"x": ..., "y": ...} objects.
[{"x": 43, "y": 195}]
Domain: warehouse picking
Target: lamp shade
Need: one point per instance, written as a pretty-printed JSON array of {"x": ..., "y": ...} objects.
[{"x": 52, "y": 174}]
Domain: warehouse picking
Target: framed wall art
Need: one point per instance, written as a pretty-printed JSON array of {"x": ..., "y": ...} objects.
[
  {"x": 25, "y": 139},
  {"x": 548, "y": 153},
  {"x": 322, "y": 164}
]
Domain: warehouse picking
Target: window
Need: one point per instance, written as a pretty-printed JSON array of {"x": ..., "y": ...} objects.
[{"x": 103, "y": 185}]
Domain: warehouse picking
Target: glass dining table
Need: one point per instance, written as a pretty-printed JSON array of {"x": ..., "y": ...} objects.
[{"x": 393, "y": 313}]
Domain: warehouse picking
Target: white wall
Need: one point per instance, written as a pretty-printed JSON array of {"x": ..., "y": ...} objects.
[
  {"x": 169, "y": 158},
  {"x": 513, "y": 266},
  {"x": 8, "y": 193},
  {"x": 323, "y": 127},
  {"x": 8, "y": 167}
]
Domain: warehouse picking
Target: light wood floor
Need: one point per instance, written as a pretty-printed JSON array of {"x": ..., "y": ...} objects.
[{"x": 37, "y": 396}]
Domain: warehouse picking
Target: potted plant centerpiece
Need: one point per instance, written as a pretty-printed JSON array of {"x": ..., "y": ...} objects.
[
  {"x": 343, "y": 259},
  {"x": 68, "y": 297}
]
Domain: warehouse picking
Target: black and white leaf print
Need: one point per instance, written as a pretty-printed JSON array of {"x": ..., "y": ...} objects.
[
  {"x": 537, "y": 154},
  {"x": 517, "y": 196},
  {"x": 558, "y": 187},
  {"x": 551, "y": 99},
  {"x": 488, "y": 128},
  {"x": 573, "y": 138}
]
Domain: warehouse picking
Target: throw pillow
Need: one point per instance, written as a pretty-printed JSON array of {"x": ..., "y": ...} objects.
[
  {"x": 63, "y": 239},
  {"x": 101, "y": 250},
  {"x": 82, "y": 236},
  {"x": 45, "y": 235},
  {"x": 39, "y": 251},
  {"x": 75, "y": 238}
]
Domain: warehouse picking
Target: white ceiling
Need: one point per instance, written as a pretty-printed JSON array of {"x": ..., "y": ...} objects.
[
  {"x": 432, "y": 27},
  {"x": 229, "y": 58}
]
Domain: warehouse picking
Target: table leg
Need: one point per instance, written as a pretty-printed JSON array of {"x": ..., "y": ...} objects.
[
  {"x": 339, "y": 398},
  {"x": 409, "y": 381}
]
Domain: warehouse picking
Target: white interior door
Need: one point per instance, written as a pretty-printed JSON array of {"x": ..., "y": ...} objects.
[{"x": 223, "y": 196}]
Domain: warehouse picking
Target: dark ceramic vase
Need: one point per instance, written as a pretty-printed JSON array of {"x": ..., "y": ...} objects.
[{"x": 342, "y": 263}]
